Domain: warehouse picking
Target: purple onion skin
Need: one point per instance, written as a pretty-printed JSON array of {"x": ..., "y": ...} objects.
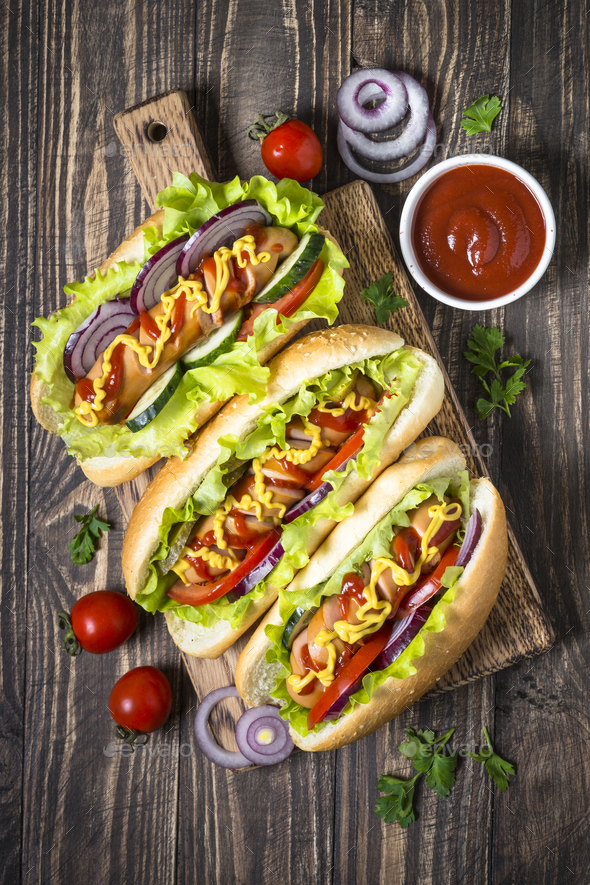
[
  {"x": 471, "y": 539},
  {"x": 143, "y": 295},
  {"x": 396, "y": 646},
  {"x": 259, "y": 571},
  {"x": 229, "y": 224},
  {"x": 339, "y": 705},
  {"x": 77, "y": 359}
]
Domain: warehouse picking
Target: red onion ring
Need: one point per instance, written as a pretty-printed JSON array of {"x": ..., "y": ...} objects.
[
  {"x": 408, "y": 140},
  {"x": 207, "y": 743},
  {"x": 250, "y": 728},
  {"x": 470, "y": 541},
  {"x": 95, "y": 334},
  {"x": 423, "y": 157},
  {"x": 385, "y": 115}
]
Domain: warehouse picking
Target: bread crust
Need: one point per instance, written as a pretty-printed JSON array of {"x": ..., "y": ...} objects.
[
  {"x": 112, "y": 471},
  {"x": 307, "y": 358},
  {"x": 475, "y": 594}
]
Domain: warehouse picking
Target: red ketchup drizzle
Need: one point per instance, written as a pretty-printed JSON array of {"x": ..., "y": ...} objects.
[{"x": 353, "y": 587}]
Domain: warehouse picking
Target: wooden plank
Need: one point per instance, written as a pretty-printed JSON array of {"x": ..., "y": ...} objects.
[
  {"x": 18, "y": 88},
  {"x": 156, "y": 150},
  {"x": 543, "y": 713},
  {"x": 84, "y": 809}
]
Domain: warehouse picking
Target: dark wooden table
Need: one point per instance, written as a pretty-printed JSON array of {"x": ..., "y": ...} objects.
[{"x": 73, "y": 809}]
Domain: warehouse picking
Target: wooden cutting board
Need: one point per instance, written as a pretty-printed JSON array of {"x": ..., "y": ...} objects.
[{"x": 162, "y": 136}]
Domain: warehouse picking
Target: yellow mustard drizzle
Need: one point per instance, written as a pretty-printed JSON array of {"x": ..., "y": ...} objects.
[
  {"x": 149, "y": 355},
  {"x": 373, "y": 614},
  {"x": 264, "y": 495},
  {"x": 222, "y": 256},
  {"x": 349, "y": 403},
  {"x": 216, "y": 559}
]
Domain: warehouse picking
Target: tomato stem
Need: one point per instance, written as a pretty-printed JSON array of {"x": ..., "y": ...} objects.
[
  {"x": 130, "y": 737},
  {"x": 265, "y": 123},
  {"x": 70, "y": 642}
]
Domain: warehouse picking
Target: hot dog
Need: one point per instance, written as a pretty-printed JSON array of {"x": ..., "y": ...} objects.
[
  {"x": 183, "y": 315},
  {"x": 214, "y": 538},
  {"x": 386, "y": 605}
]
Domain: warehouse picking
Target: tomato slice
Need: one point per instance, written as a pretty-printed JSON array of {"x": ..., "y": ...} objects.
[
  {"x": 351, "y": 447},
  {"x": 289, "y": 303},
  {"x": 201, "y": 594},
  {"x": 427, "y": 586},
  {"x": 355, "y": 668}
]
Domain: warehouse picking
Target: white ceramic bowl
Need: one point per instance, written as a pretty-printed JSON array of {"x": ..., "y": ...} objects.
[{"x": 407, "y": 220}]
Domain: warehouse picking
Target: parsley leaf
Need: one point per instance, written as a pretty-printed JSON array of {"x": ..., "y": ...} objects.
[
  {"x": 83, "y": 544},
  {"x": 380, "y": 295},
  {"x": 498, "y": 769},
  {"x": 480, "y": 115},
  {"x": 483, "y": 345},
  {"x": 397, "y": 804},
  {"x": 429, "y": 757}
]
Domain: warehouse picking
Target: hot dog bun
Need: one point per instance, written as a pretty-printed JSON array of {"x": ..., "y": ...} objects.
[
  {"x": 475, "y": 594},
  {"x": 112, "y": 471},
  {"x": 307, "y": 358}
]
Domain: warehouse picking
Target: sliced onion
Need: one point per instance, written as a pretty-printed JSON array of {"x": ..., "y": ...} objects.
[
  {"x": 222, "y": 229},
  {"x": 386, "y": 115},
  {"x": 253, "y": 730},
  {"x": 205, "y": 739},
  {"x": 313, "y": 499},
  {"x": 259, "y": 571},
  {"x": 157, "y": 276},
  {"x": 95, "y": 334},
  {"x": 407, "y": 141},
  {"x": 402, "y": 634},
  {"x": 472, "y": 536},
  {"x": 423, "y": 157},
  {"x": 340, "y": 703}
]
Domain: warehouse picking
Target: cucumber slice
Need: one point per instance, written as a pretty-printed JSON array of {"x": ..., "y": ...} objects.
[
  {"x": 296, "y": 625},
  {"x": 154, "y": 399},
  {"x": 293, "y": 268},
  {"x": 218, "y": 342}
]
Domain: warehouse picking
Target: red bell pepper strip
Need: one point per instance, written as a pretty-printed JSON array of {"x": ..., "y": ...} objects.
[
  {"x": 428, "y": 585},
  {"x": 360, "y": 662},
  {"x": 289, "y": 303},
  {"x": 201, "y": 594}
]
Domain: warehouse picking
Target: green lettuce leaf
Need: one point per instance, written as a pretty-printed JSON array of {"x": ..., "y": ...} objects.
[
  {"x": 375, "y": 544},
  {"x": 398, "y": 371},
  {"x": 187, "y": 204}
]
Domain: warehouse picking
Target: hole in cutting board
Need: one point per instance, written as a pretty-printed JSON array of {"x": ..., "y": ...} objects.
[{"x": 157, "y": 131}]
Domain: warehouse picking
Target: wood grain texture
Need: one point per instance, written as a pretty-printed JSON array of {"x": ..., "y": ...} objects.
[
  {"x": 86, "y": 811},
  {"x": 70, "y": 196},
  {"x": 156, "y": 155},
  {"x": 18, "y": 204}
]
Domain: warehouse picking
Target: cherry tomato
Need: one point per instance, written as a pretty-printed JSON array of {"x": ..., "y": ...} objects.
[
  {"x": 103, "y": 620},
  {"x": 292, "y": 150},
  {"x": 141, "y": 700}
]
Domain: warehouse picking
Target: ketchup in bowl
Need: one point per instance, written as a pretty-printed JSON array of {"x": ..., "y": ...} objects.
[{"x": 478, "y": 232}]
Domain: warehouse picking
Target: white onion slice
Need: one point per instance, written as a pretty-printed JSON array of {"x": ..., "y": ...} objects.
[
  {"x": 423, "y": 157},
  {"x": 372, "y": 120},
  {"x": 205, "y": 739},
  {"x": 408, "y": 140}
]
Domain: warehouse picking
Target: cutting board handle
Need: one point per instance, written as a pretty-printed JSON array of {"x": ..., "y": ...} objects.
[{"x": 160, "y": 136}]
